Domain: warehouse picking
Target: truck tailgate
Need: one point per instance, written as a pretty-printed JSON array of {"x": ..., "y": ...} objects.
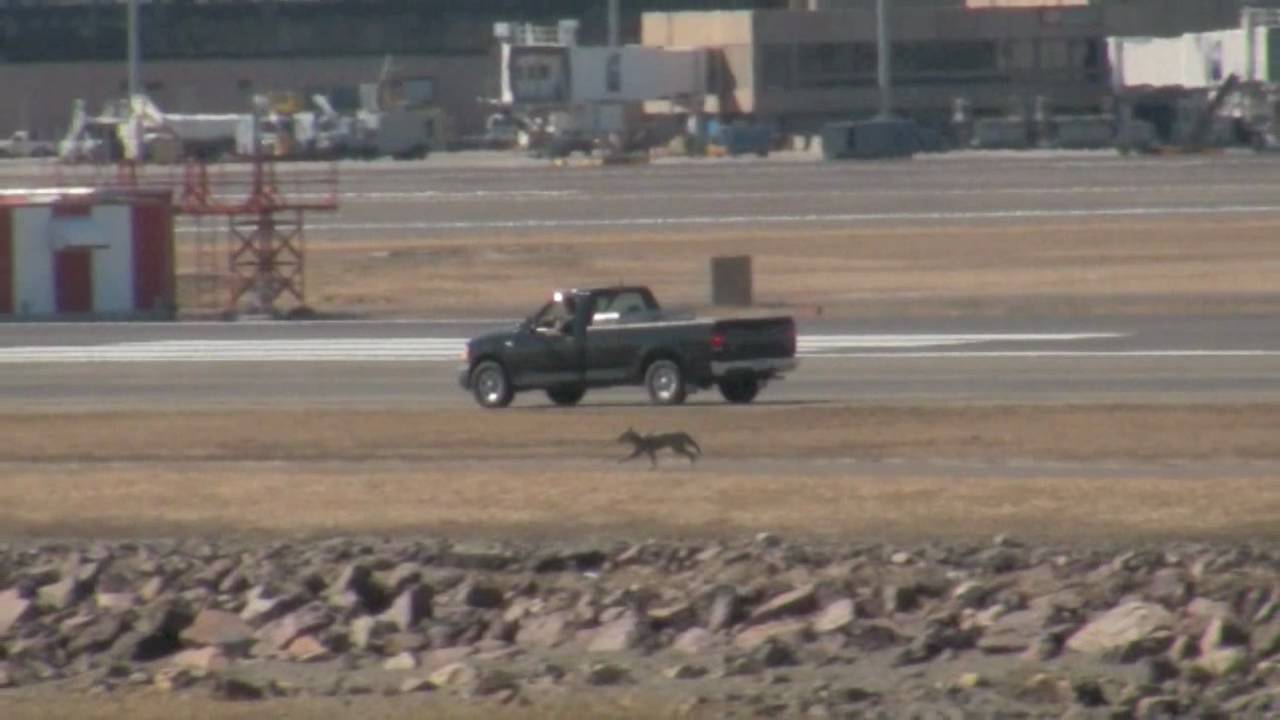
[{"x": 754, "y": 338}]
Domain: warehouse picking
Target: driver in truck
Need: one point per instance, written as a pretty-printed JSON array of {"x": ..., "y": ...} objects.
[{"x": 558, "y": 315}]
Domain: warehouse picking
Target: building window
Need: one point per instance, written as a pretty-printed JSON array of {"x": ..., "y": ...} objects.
[
  {"x": 1053, "y": 54},
  {"x": 419, "y": 91},
  {"x": 775, "y": 63},
  {"x": 1018, "y": 55},
  {"x": 935, "y": 57},
  {"x": 613, "y": 73},
  {"x": 825, "y": 59}
]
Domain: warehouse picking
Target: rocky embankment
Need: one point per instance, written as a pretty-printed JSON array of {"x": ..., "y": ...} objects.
[{"x": 757, "y": 628}]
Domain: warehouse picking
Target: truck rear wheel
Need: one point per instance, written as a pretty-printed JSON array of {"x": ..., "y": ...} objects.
[
  {"x": 665, "y": 381},
  {"x": 490, "y": 385},
  {"x": 740, "y": 390},
  {"x": 566, "y": 395}
]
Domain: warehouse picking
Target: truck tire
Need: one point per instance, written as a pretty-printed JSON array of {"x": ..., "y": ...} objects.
[
  {"x": 566, "y": 395},
  {"x": 490, "y": 385},
  {"x": 665, "y": 382},
  {"x": 740, "y": 390}
]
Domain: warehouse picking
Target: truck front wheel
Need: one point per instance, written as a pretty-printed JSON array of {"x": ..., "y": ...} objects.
[
  {"x": 490, "y": 385},
  {"x": 740, "y": 390},
  {"x": 665, "y": 381}
]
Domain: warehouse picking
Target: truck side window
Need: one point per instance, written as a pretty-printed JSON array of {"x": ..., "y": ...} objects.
[{"x": 628, "y": 303}]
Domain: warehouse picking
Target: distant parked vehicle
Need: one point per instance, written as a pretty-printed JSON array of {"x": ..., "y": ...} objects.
[{"x": 21, "y": 145}]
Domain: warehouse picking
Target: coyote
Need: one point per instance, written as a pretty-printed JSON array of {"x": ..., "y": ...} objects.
[{"x": 650, "y": 445}]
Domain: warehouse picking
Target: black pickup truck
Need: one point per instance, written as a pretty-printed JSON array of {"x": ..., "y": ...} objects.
[{"x": 605, "y": 337}]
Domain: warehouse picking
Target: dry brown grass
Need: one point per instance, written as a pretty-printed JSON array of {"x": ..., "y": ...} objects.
[
  {"x": 566, "y": 500},
  {"x": 1000, "y": 433},
  {"x": 800, "y": 470},
  {"x": 1084, "y": 267}
]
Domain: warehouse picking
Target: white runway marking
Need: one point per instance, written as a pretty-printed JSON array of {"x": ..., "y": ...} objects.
[
  {"x": 409, "y": 196},
  {"x": 1060, "y": 354},
  {"x": 782, "y": 219},
  {"x": 450, "y": 349}
]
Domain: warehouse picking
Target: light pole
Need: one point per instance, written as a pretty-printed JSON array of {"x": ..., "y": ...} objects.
[
  {"x": 135, "y": 82},
  {"x": 884, "y": 65},
  {"x": 613, "y": 23},
  {"x": 135, "y": 52}
]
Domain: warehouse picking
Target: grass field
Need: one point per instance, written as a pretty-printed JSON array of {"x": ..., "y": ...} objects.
[
  {"x": 1096, "y": 267},
  {"x": 1052, "y": 472}
]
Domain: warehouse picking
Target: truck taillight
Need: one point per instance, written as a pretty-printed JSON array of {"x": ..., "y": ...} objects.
[{"x": 717, "y": 342}]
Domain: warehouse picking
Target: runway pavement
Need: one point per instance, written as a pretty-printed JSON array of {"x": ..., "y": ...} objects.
[
  {"x": 435, "y": 200},
  {"x": 491, "y": 195},
  {"x": 413, "y": 363}
]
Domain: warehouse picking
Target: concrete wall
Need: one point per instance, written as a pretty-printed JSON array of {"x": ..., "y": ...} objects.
[
  {"x": 644, "y": 73},
  {"x": 1194, "y": 60},
  {"x": 39, "y": 96},
  {"x": 33, "y": 290},
  {"x": 729, "y": 34}
]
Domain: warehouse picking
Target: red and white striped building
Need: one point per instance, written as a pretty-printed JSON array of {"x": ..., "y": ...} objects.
[{"x": 86, "y": 253}]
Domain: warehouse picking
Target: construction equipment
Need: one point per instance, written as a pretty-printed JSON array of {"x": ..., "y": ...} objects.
[{"x": 398, "y": 123}]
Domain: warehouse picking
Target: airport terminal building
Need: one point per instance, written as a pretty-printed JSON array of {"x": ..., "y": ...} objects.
[{"x": 795, "y": 62}]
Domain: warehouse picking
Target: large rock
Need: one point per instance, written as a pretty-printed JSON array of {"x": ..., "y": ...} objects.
[
  {"x": 411, "y": 606},
  {"x": 307, "y": 648},
  {"x": 626, "y": 633},
  {"x": 435, "y": 659},
  {"x": 694, "y": 641},
  {"x": 1170, "y": 586},
  {"x": 800, "y": 601},
  {"x": 1012, "y": 633},
  {"x": 724, "y": 610},
  {"x": 264, "y": 603},
  {"x": 1126, "y": 633},
  {"x": 604, "y": 674},
  {"x": 792, "y": 630},
  {"x": 276, "y": 635},
  {"x": 545, "y": 631},
  {"x": 836, "y": 616},
  {"x": 899, "y": 598},
  {"x": 205, "y": 660},
  {"x": 971, "y": 594},
  {"x": 1223, "y": 662},
  {"x": 401, "y": 577},
  {"x": 480, "y": 595},
  {"x": 454, "y": 675},
  {"x": 1223, "y": 632},
  {"x": 677, "y": 616},
  {"x": 61, "y": 595},
  {"x": 156, "y": 633},
  {"x": 220, "y": 628},
  {"x": 367, "y": 631},
  {"x": 98, "y": 635},
  {"x": 356, "y": 591},
  {"x": 1157, "y": 707},
  {"x": 398, "y": 642},
  {"x": 401, "y": 662},
  {"x": 14, "y": 609}
]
